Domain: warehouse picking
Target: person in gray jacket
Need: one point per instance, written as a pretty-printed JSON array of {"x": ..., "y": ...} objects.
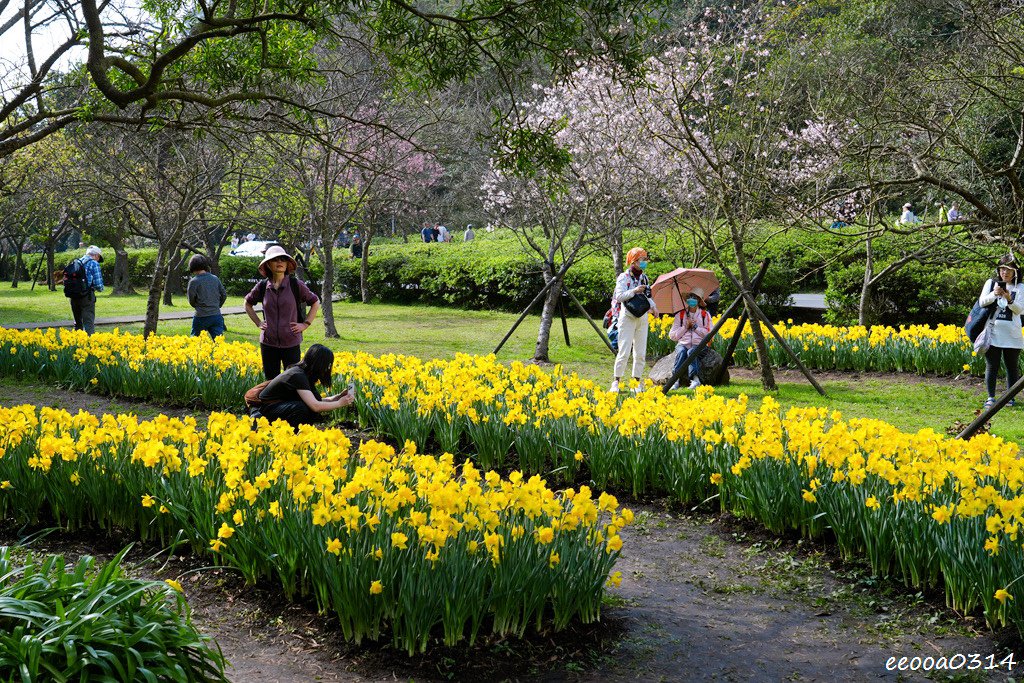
[{"x": 206, "y": 294}]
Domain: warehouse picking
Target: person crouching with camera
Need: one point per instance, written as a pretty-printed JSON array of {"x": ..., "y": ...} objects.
[
  {"x": 630, "y": 305},
  {"x": 1006, "y": 292}
]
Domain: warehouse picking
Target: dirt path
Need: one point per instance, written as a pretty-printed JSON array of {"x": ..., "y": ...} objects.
[{"x": 704, "y": 597}]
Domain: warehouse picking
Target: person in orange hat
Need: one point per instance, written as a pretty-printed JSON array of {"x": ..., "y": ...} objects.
[
  {"x": 630, "y": 305},
  {"x": 282, "y": 295}
]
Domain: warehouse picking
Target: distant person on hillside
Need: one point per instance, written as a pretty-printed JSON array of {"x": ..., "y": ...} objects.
[
  {"x": 357, "y": 247},
  {"x": 908, "y": 217},
  {"x": 82, "y": 286},
  {"x": 281, "y": 294},
  {"x": 234, "y": 242},
  {"x": 435, "y": 233},
  {"x": 292, "y": 395},
  {"x": 427, "y": 232},
  {"x": 251, "y": 237},
  {"x": 954, "y": 214},
  {"x": 470, "y": 235},
  {"x": 206, "y": 294},
  {"x": 443, "y": 235}
]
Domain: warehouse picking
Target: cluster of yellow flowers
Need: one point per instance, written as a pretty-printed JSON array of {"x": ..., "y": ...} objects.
[
  {"x": 943, "y": 349},
  {"x": 305, "y": 509},
  {"x": 921, "y": 506},
  {"x": 910, "y": 502}
]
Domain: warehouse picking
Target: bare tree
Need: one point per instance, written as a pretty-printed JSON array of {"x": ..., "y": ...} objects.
[{"x": 163, "y": 181}]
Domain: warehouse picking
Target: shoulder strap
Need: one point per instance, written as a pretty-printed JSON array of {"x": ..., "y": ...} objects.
[
  {"x": 294, "y": 282},
  {"x": 261, "y": 289}
]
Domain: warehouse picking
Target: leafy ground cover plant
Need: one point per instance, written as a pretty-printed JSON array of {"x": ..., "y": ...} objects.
[{"x": 89, "y": 622}]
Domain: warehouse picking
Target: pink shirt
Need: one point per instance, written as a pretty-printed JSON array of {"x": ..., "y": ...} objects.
[{"x": 690, "y": 338}]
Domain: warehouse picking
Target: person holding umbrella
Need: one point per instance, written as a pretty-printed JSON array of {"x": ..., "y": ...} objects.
[
  {"x": 689, "y": 328},
  {"x": 630, "y": 304}
]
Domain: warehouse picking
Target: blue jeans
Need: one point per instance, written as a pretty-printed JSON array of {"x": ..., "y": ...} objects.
[
  {"x": 680, "y": 357},
  {"x": 214, "y": 324}
]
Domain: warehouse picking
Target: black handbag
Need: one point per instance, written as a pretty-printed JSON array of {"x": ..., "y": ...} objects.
[
  {"x": 978, "y": 318},
  {"x": 638, "y": 305}
]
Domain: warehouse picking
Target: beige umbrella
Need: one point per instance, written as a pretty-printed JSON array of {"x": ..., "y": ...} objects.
[{"x": 670, "y": 290}]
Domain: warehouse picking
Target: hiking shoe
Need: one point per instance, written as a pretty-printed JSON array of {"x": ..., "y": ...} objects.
[
  {"x": 614, "y": 388},
  {"x": 989, "y": 403},
  {"x": 639, "y": 387},
  {"x": 695, "y": 383},
  {"x": 1011, "y": 403}
]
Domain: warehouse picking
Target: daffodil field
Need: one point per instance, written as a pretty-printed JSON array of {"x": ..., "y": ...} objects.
[
  {"x": 383, "y": 540},
  {"x": 942, "y": 350},
  {"x": 932, "y": 511}
]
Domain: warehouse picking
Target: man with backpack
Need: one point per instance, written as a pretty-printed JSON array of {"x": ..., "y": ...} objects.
[{"x": 82, "y": 279}]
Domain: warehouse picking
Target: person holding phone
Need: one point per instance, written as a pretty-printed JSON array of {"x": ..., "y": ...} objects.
[
  {"x": 292, "y": 395},
  {"x": 1007, "y": 293}
]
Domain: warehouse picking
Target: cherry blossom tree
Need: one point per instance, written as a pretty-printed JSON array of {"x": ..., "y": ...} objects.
[
  {"x": 748, "y": 156},
  {"x": 588, "y": 170}
]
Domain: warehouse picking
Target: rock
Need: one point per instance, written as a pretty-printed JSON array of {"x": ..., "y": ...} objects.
[{"x": 710, "y": 361}]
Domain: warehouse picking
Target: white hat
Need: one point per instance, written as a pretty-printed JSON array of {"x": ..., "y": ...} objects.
[
  {"x": 274, "y": 252},
  {"x": 93, "y": 250},
  {"x": 907, "y": 205}
]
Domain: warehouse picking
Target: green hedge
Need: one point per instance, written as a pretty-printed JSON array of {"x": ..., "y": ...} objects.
[
  {"x": 238, "y": 273},
  {"x": 495, "y": 272}
]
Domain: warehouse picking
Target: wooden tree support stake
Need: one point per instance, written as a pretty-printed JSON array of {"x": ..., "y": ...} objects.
[
  {"x": 754, "y": 309},
  {"x": 987, "y": 414}
]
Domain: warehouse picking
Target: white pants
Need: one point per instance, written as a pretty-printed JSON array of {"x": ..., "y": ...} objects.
[{"x": 632, "y": 335}]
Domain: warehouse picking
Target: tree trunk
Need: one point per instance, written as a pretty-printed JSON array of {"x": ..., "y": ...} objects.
[
  {"x": 547, "y": 316},
  {"x": 156, "y": 288},
  {"x": 327, "y": 289},
  {"x": 172, "y": 283},
  {"x": 19, "y": 265},
  {"x": 865, "y": 289},
  {"x": 364, "y": 271},
  {"x": 767, "y": 376},
  {"x": 122, "y": 282},
  {"x": 615, "y": 244},
  {"x": 51, "y": 282}
]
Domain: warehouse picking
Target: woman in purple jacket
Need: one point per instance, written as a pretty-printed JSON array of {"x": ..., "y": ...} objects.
[{"x": 281, "y": 328}]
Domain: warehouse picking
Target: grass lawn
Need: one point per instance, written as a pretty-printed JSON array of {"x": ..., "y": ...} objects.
[
  {"x": 911, "y": 403},
  {"x": 22, "y": 305}
]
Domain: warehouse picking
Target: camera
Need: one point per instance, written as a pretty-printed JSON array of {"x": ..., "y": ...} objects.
[{"x": 647, "y": 291}]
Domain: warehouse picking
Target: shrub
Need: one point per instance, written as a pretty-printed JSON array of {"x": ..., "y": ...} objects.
[{"x": 87, "y": 623}]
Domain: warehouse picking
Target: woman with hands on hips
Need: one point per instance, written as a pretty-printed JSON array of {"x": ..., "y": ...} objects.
[{"x": 281, "y": 328}]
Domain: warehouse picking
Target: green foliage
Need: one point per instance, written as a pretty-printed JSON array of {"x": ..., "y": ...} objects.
[
  {"x": 83, "y": 622},
  {"x": 917, "y": 293}
]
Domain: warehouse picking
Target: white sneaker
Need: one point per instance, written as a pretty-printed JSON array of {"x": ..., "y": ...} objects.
[
  {"x": 638, "y": 388},
  {"x": 695, "y": 383},
  {"x": 614, "y": 389}
]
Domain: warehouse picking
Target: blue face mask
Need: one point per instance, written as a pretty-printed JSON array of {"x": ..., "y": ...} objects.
[
  {"x": 691, "y": 302},
  {"x": 642, "y": 265}
]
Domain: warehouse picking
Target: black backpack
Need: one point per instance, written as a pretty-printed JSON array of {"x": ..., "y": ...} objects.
[
  {"x": 300, "y": 305},
  {"x": 76, "y": 281}
]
